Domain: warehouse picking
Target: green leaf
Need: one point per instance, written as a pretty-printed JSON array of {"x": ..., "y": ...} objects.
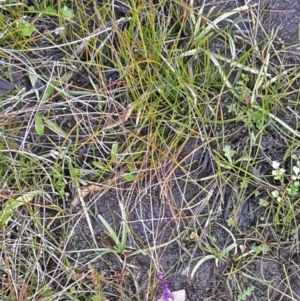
[
  {"x": 208, "y": 30},
  {"x": 66, "y": 77},
  {"x": 54, "y": 127},
  {"x": 243, "y": 295},
  {"x": 229, "y": 153},
  {"x": 27, "y": 29},
  {"x": 263, "y": 202},
  {"x": 110, "y": 231},
  {"x": 114, "y": 151},
  {"x": 261, "y": 249},
  {"x": 230, "y": 222},
  {"x": 12, "y": 204},
  {"x": 256, "y": 193},
  {"x": 99, "y": 165},
  {"x": 131, "y": 167},
  {"x": 245, "y": 77},
  {"x": 50, "y": 11},
  {"x": 67, "y": 12},
  {"x": 39, "y": 124},
  {"x": 122, "y": 245},
  {"x": 128, "y": 177},
  {"x": 199, "y": 263},
  {"x": 47, "y": 93},
  {"x": 33, "y": 79},
  {"x": 226, "y": 250},
  {"x": 47, "y": 11}
]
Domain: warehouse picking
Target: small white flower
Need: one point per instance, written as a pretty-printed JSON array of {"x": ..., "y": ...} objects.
[
  {"x": 296, "y": 171},
  {"x": 281, "y": 171},
  {"x": 278, "y": 173},
  {"x": 275, "y": 164},
  {"x": 276, "y": 195}
]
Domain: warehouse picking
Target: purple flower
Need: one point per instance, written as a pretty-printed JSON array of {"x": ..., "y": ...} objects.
[
  {"x": 160, "y": 275},
  {"x": 167, "y": 295}
]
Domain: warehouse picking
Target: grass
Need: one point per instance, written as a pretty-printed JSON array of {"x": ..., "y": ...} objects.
[{"x": 144, "y": 141}]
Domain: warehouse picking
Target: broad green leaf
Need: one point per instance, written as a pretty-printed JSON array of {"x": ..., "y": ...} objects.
[
  {"x": 97, "y": 164},
  {"x": 50, "y": 87},
  {"x": 230, "y": 222},
  {"x": 47, "y": 93},
  {"x": 50, "y": 11},
  {"x": 12, "y": 204},
  {"x": 229, "y": 153},
  {"x": 263, "y": 202},
  {"x": 39, "y": 124},
  {"x": 131, "y": 167},
  {"x": 68, "y": 12},
  {"x": 27, "y": 29},
  {"x": 54, "y": 127},
  {"x": 128, "y": 177}
]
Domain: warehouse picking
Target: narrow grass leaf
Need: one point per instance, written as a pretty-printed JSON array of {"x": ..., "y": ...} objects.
[
  {"x": 109, "y": 229},
  {"x": 200, "y": 262},
  {"x": 47, "y": 11},
  {"x": 114, "y": 151},
  {"x": 226, "y": 250},
  {"x": 232, "y": 47},
  {"x": 207, "y": 31},
  {"x": 121, "y": 245},
  {"x": 124, "y": 235}
]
